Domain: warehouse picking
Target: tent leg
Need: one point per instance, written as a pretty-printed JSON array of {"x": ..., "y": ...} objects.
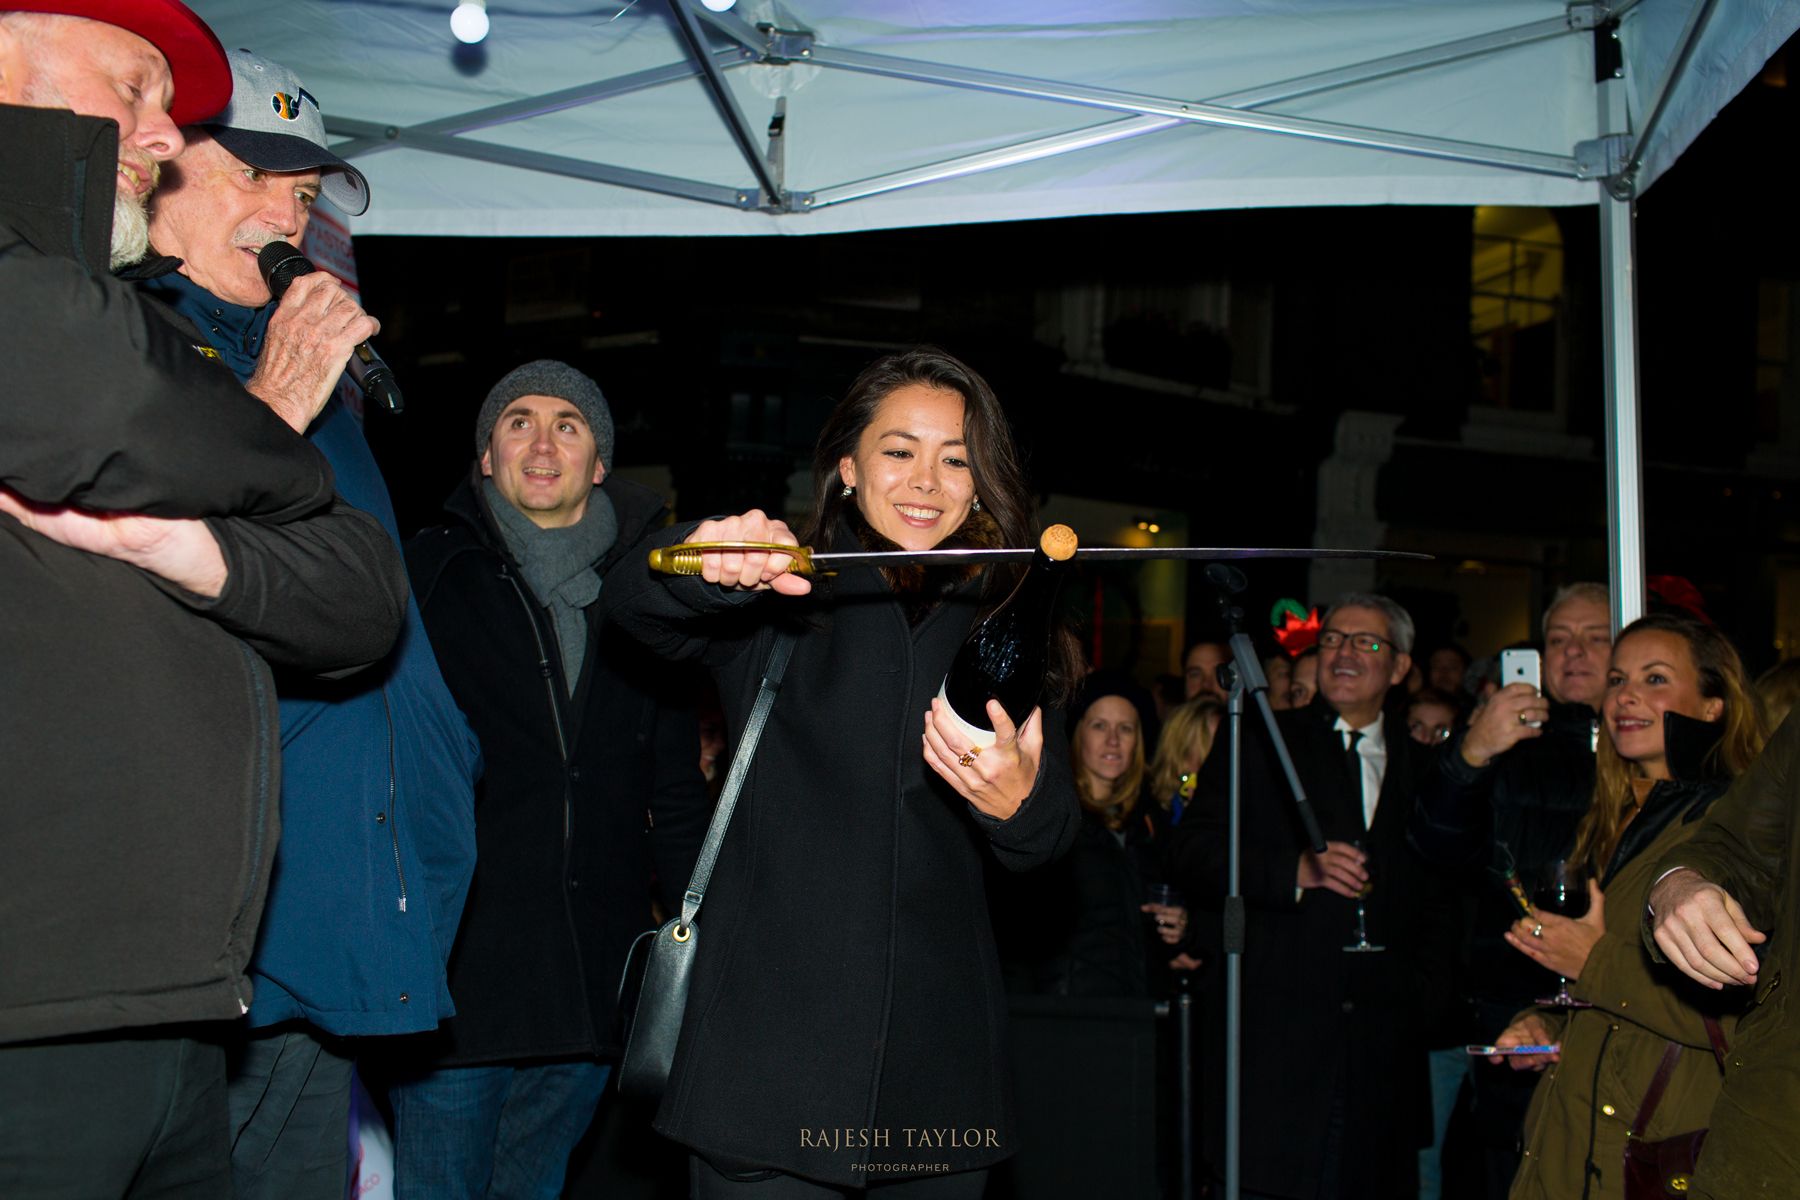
[{"x": 1624, "y": 441}]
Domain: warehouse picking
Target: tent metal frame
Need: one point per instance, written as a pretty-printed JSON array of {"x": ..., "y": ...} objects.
[{"x": 1612, "y": 160}]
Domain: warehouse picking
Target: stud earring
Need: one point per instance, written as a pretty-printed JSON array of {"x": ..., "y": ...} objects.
[
  {"x": 847, "y": 492},
  {"x": 976, "y": 506}
]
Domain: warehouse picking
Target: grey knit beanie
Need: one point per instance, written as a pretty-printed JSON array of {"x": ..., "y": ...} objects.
[{"x": 547, "y": 377}]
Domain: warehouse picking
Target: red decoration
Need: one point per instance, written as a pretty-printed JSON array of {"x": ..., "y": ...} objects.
[
  {"x": 1296, "y": 629},
  {"x": 1676, "y": 592}
]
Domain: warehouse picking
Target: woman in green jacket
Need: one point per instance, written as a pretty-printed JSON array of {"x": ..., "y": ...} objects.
[{"x": 1680, "y": 726}]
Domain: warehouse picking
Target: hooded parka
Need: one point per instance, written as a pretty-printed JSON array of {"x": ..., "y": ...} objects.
[
  {"x": 1749, "y": 845},
  {"x": 1585, "y": 1103}
]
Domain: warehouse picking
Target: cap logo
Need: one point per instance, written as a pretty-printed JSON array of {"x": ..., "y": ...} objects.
[{"x": 288, "y": 107}]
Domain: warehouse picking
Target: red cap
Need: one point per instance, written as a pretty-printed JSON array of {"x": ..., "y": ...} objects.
[{"x": 196, "y": 59}]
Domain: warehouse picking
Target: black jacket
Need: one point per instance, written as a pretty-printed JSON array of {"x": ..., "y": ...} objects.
[
  {"x": 139, "y": 739},
  {"x": 1518, "y": 812},
  {"x": 584, "y": 796},
  {"x": 847, "y": 978},
  {"x": 1317, "y": 1021},
  {"x": 1074, "y": 928}
]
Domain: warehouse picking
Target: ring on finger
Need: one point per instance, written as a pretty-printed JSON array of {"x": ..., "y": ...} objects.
[
  {"x": 1523, "y": 720},
  {"x": 967, "y": 758},
  {"x": 1537, "y": 931}
]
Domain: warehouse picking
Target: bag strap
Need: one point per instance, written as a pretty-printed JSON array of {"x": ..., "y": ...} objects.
[
  {"x": 1659, "y": 1082},
  {"x": 1715, "y": 1034},
  {"x": 1654, "y": 1093},
  {"x": 734, "y": 779}
]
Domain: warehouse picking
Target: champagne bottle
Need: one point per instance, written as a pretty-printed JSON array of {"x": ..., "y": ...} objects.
[{"x": 1007, "y": 655}]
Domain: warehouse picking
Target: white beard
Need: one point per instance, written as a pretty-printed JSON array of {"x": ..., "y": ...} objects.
[{"x": 130, "y": 230}]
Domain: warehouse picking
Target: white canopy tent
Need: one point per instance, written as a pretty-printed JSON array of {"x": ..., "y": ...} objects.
[{"x": 658, "y": 117}]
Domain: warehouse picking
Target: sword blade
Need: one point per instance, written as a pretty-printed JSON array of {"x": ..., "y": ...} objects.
[{"x": 829, "y": 561}]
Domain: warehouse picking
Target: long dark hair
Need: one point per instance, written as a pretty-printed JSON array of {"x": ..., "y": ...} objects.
[
  {"x": 1006, "y": 499},
  {"x": 993, "y": 460},
  {"x": 1721, "y": 677}
]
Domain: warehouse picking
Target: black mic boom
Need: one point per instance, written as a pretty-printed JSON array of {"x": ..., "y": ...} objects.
[{"x": 280, "y": 265}]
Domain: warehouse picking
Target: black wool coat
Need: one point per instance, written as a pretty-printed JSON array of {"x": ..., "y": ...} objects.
[
  {"x": 1318, "y": 1021},
  {"x": 584, "y": 798},
  {"x": 846, "y": 1021}
]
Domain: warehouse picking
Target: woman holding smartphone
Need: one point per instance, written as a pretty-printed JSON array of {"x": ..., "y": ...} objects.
[{"x": 1680, "y": 724}]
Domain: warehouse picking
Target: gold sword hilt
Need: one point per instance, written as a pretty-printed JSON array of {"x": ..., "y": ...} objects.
[{"x": 685, "y": 558}]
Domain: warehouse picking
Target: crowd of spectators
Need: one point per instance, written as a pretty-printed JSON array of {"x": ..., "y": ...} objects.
[{"x": 288, "y": 810}]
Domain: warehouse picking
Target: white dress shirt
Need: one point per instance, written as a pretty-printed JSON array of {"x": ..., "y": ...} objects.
[{"x": 1372, "y": 750}]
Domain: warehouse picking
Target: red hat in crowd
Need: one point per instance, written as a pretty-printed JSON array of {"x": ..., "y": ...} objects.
[{"x": 196, "y": 59}]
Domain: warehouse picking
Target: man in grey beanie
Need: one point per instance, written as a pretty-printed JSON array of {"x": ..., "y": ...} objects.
[{"x": 586, "y": 754}]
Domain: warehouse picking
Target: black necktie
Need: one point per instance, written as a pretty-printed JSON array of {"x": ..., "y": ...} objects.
[{"x": 1353, "y": 761}]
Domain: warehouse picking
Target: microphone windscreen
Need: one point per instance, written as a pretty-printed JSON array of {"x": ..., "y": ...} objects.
[{"x": 281, "y": 264}]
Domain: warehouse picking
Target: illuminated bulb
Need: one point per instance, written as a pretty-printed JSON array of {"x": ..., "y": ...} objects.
[
  {"x": 719, "y": 5},
  {"x": 469, "y": 21}
]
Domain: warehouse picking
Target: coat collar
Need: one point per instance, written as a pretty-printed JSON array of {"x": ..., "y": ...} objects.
[{"x": 57, "y": 190}]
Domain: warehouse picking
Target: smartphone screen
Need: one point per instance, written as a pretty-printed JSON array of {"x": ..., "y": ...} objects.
[{"x": 1484, "y": 1051}]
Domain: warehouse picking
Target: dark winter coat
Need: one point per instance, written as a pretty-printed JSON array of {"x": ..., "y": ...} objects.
[
  {"x": 1075, "y": 928},
  {"x": 378, "y": 781},
  {"x": 137, "y": 802},
  {"x": 846, "y": 1009},
  {"x": 584, "y": 796},
  {"x": 1318, "y": 1022},
  {"x": 1585, "y": 1104},
  {"x": 1749, "y": 845},
  {"x": 1517, "y": 813}
]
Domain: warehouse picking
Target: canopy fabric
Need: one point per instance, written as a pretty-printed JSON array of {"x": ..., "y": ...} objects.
[{"x": 659, "y": 156}]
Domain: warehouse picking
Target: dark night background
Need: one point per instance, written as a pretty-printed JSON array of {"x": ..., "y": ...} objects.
[{"x": 1198, "y": 366}]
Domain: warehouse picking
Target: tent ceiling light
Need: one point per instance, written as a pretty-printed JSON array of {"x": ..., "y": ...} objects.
[
  {"x": 469, "y": 21},
  {"x": 719, "y": 5}
]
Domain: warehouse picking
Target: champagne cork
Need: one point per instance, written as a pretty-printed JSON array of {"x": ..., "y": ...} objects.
[{"x": 1058, "y": 543}]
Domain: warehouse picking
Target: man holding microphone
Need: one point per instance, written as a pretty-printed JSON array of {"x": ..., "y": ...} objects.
[{"x": 377, "y": 797}]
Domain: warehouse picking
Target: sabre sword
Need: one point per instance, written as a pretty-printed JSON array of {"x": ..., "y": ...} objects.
[{"x": 685, "y": 558}]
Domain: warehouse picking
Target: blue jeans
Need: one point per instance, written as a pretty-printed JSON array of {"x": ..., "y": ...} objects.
[
  {"x": 1448, "y": 1068},
  {"x": 491, "y": 1133}
]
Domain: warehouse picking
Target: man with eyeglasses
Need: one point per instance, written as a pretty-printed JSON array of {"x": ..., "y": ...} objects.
[
  {"x": 1335, "y": 1100},
  {"x": 1503, "y": 799}
]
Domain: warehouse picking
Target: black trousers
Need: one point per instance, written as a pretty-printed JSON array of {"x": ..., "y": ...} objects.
[{"x": 141, "y": 1116}]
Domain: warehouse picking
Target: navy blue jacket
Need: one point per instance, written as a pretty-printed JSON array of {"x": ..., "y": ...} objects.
[{"x": 377, "y": 788}]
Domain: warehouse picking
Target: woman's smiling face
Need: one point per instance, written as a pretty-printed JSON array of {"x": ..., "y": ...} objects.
[
  {"x": 911, "y": 469},
  {"x": 1652, "y": 672}
]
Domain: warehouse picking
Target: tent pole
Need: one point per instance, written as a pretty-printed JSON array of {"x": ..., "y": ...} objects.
[{"x": 1624, "y": 440}]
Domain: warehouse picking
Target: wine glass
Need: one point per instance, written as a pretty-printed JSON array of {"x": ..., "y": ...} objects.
[
  {"x": 1562, "y": 889},
  {"x": 1363, "y": 944}
]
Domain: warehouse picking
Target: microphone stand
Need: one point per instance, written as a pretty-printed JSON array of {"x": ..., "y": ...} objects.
[{"x": 1243, "y": 675}]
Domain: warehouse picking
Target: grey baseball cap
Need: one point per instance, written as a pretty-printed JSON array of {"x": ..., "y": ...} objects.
[{"x": 274, "y": 124}]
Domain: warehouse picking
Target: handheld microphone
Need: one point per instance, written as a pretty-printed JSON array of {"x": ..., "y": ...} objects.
[{"x": 280, "y": 265}]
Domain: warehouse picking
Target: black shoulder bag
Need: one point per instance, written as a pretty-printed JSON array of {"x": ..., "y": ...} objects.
[{"x": 655, "y": 1023}]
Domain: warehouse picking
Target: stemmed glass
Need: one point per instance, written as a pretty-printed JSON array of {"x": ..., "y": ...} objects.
[
  {"x": 1562, "y": 889},
  {"x": 1363, "y": 944}
]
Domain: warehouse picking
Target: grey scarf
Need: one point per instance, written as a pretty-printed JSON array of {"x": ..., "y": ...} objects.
[{"x": 558, "y": 566}]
